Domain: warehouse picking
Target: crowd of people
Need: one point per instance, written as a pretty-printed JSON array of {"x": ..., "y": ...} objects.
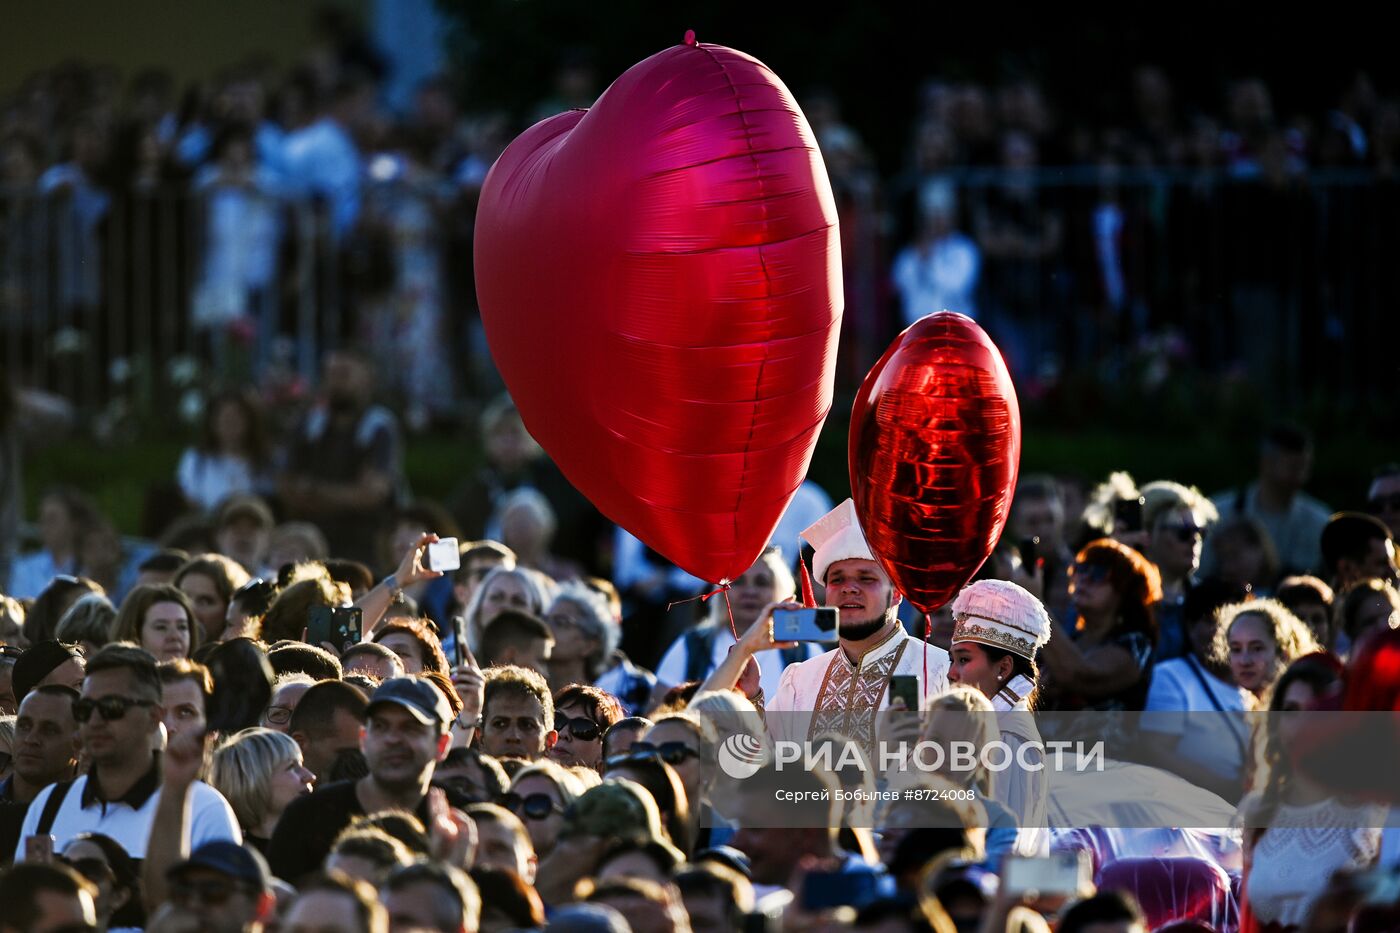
[
  {"x": 268, "y": 210},
  {"x": 282, "y": 716},
  {"x": 274, "y": 710}
]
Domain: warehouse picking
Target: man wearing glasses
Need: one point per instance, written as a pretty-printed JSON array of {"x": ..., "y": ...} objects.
[
  {"x": 220, "y": 888},
  {"x": 119, "y": 716}
]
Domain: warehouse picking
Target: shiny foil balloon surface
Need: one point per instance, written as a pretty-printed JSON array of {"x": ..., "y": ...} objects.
[
  {"x": 660, "y": 283},
  {"x": 935, "y": 447}
]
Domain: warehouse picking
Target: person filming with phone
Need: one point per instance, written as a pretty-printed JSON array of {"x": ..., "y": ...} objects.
[{"x": 842, "y": 689}]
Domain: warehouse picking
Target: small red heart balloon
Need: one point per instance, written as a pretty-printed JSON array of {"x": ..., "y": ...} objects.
[
  {"x": 659, "y": 278},
  {"x": 935, "y": 447}
]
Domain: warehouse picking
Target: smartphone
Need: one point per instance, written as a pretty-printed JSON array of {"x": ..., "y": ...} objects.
[
  {"x": 1030, "y": 553},
  {"x": 1127, "y": 514},
  {"x": 905, "y": 687},
  {"x": 459, "y": 632},
  {"x": 823, "y": 890},
  {"x": 39, "y": 849},
  {"x": 338, "y": 625},
  {"x": 444, "y": 556},
  {"x": 818, "y": 624},
  {"x": 1067, "y": 873}
]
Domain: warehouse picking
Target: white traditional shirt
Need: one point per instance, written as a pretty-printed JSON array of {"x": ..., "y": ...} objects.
[
  {"x": 830, "y": 694},
  {"x": 1024, "y": 792}
]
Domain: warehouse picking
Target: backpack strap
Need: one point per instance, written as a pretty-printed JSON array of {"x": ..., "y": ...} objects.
[
  {"x": 51, "y": 806},
  {"x": 699, "y": 646},
  {"x": 794, "y": 655}
]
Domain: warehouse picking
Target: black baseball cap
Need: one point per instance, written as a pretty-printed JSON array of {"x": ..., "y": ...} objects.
[
  {"x": 228, "y": 858},
  {"x": 415, "y": 694}
]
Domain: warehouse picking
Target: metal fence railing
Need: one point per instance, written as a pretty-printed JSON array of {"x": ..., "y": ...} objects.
[{"x": 133, "y": 294}]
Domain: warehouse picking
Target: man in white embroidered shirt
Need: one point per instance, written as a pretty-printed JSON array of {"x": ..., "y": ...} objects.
[
  {"x": 119, "y": 717},
  {"x": 841, "y": 690}
]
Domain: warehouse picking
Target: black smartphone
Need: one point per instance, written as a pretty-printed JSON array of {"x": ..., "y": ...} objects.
[
  {"x": 338, "y": 625},
  {"x": 817, "y": 624},
  {"x": 459, "y": 634},
  {"x": 1127, "y": 514},
  {"x": 1030, "y": 553},
  {"x": 905, "y": 687}
]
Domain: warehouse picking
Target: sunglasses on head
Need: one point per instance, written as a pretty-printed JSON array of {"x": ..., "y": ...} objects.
[
  {"x": 110, "y": 708},
  {"x": 1390, "y": 503},
  {"x": 585, "y": 730},
  {"x": 1092, "y": 573},
  {"x": 533, "y": 807},
  {"x": 673, "y": 753}
]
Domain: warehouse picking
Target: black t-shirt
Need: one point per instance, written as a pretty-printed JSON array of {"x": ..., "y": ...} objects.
[{"x": 309, "y": 825}]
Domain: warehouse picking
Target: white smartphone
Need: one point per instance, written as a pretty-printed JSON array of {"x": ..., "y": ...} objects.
[{"x": 443, "y": 555}]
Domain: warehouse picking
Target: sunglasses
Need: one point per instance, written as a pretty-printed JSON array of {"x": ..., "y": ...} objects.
[
  {"x": 673, "y": 753},
  {"x": 1091, "y": 573},
  {"x": 533, "y": 807},
  {"x": 585, "y": 730},
  {"x": 1186, "y": 533},
  {"x": 1390, "y": 503},
  {"x": 213, "y": 892},
  {"x": 110, "y": 708}
]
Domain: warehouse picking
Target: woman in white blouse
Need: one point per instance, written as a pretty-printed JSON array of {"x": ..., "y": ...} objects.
[{"x": 1297, "y": 833}]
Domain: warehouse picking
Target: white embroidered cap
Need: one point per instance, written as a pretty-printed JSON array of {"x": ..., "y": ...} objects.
[
  {"x": 836, "y": 536},
  {"x": 1001, "y": 614}
]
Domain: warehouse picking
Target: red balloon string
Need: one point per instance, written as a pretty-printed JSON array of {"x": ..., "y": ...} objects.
[
  {"x": 705, "y": 597},
  {"x": 689, "y": 37},
  {"x": 928, "y": 633},
  {"x": 730, "y": 609}
]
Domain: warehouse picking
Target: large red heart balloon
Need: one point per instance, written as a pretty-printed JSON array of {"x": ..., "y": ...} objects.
[
  {"x": 935, "y": 446},
  {"x": 660, "y": 282}
]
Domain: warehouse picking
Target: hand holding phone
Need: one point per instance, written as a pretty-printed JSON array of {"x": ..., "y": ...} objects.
[
  {"x": 905, "y": 687},
  {"x": 39, "y": 849},
  {"x": 1127, "y": 514},
  {"x": 443, "y": 555},
  {"x": 815, "y": 624},
  {"x": 337, "y": 626}
]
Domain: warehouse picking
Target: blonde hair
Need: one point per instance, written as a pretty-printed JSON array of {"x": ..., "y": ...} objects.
[
  {"x": 976, "y": 723},
  {"x": 729, "y": 712},
  {"x": 1292, "y": 636},
  {"x": 242, "y": 771},
  {"x": 1165, "y": 496},
  {"x": 568, "y": 784}
]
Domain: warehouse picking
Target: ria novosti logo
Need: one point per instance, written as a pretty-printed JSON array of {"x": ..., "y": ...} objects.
[{"x": 741, "y": 756}]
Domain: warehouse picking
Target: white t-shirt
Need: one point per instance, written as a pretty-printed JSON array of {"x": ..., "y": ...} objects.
[
  {"x": 211, "y": 817},
  {"x": 1189, "y": 701}
]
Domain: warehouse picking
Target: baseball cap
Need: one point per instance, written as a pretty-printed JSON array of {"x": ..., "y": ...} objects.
[
  {"x": 38, "y": 662},
  {"x": 415, "y": 694},
  {"x": 228, "y": 858}
]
